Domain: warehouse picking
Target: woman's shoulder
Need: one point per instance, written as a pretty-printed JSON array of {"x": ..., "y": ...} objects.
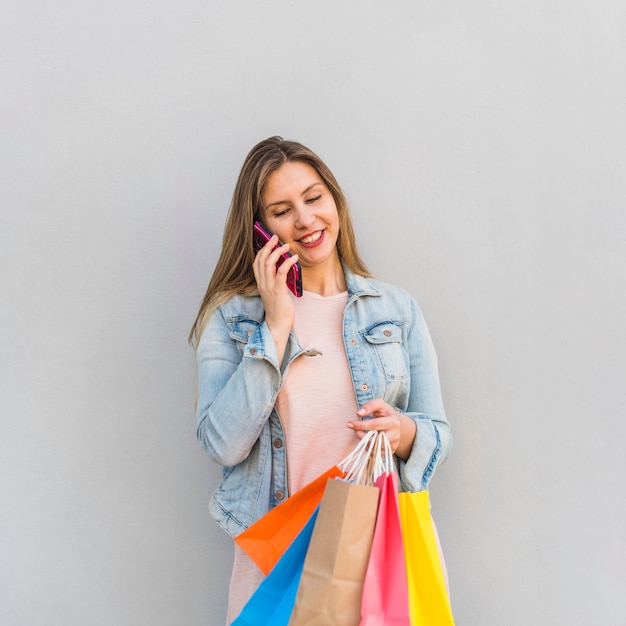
[
  {"x": 368, "y": 285},
  {"x": 236, "y": 316},
  {"x": 240, "y": 307},
  {"x": 379, "y": 299}
]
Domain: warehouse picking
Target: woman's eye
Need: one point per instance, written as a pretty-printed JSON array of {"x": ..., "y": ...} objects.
[
  {"x": 315, "y": 199},
  {"x": 281, "y": 213}
]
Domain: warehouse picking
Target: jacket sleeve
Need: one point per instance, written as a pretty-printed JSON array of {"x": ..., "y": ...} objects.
[
  {"x": 238, "y": 381},
  {"x": 425, "y": 405}
]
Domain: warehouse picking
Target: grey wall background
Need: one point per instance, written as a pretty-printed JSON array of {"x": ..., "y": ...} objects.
[{"x": 482, "y": 148}]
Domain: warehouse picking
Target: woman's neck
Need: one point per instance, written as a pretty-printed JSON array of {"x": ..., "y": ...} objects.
[{"x": 326, "y": 280}]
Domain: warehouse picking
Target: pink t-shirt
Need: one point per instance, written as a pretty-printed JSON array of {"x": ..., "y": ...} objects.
[
  {"x": 314, "y": 405},
  {"x": 318, "y": 396}
]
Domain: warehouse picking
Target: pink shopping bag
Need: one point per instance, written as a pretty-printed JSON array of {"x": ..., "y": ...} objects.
[{"x": 385, "y": 600}]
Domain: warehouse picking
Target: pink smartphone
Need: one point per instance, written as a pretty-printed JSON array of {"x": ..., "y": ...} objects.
[{"x": 294, "y": 278}]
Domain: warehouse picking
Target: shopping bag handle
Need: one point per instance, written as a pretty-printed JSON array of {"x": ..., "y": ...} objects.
[{"x": 371, "y": 458}]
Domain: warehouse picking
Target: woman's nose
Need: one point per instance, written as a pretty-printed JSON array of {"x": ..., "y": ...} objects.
[{"x": 304, "y": 217}]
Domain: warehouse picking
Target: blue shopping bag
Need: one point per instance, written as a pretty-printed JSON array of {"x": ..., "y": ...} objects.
[{"x": 272, "y": 603}]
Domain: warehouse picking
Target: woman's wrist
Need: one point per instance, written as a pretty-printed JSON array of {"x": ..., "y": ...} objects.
[{"x": 408, "y": 432}]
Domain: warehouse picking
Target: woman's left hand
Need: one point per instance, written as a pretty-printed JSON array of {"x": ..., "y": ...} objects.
[{"x": 399, "y": 428}]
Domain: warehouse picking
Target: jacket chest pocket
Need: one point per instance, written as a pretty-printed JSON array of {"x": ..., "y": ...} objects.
[
  {"x": 390, "y": 357},
  {"x": 241, "y": 331}
]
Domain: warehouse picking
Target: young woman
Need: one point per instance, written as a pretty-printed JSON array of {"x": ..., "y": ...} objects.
[{"x": 287, "y": 385}]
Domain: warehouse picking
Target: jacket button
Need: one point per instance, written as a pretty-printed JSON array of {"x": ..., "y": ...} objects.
[
  {"x": 352, "y": 341},
  {"x": 364, "y": 387},
  {"x": 278, "y": 443},
  {"x": 280, "y": 495},
  {"x": 252, "y": 350},
  {"x": 387, "y": 333}
]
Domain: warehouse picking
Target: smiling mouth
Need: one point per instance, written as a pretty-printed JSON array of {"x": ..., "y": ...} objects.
[{"x": 311, "y": 238}]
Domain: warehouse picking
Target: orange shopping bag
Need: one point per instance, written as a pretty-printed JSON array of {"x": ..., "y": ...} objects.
[{"x": 268, "y": 538}]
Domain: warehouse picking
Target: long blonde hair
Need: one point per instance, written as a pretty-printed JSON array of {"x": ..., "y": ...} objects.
[{"x": 233, "y": 273}]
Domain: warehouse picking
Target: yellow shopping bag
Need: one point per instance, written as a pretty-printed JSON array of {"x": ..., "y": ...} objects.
[{"x": 429, "y": 604}]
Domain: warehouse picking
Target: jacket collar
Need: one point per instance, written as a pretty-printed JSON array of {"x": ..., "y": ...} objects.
[
  {"x": 359, "y": 285},
  {"x": 251, "y": 307}
]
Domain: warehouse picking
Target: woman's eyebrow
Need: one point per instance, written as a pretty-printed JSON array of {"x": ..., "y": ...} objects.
[{"x": 319, "y": 182}]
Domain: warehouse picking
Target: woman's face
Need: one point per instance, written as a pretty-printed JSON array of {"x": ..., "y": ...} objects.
[{"x": 301, "y": 210}]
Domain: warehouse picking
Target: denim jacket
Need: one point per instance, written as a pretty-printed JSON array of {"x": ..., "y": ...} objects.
[{"x": 390, "y": 354}]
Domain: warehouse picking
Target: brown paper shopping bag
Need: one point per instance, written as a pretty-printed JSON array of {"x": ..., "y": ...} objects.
[{"x": 336, "y": 561}]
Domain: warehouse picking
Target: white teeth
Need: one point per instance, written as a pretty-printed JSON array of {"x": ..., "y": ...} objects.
[{"x": 312, "y": 238}]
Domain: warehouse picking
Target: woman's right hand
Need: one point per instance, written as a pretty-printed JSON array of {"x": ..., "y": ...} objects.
[{"x": 272, "y": 285}]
